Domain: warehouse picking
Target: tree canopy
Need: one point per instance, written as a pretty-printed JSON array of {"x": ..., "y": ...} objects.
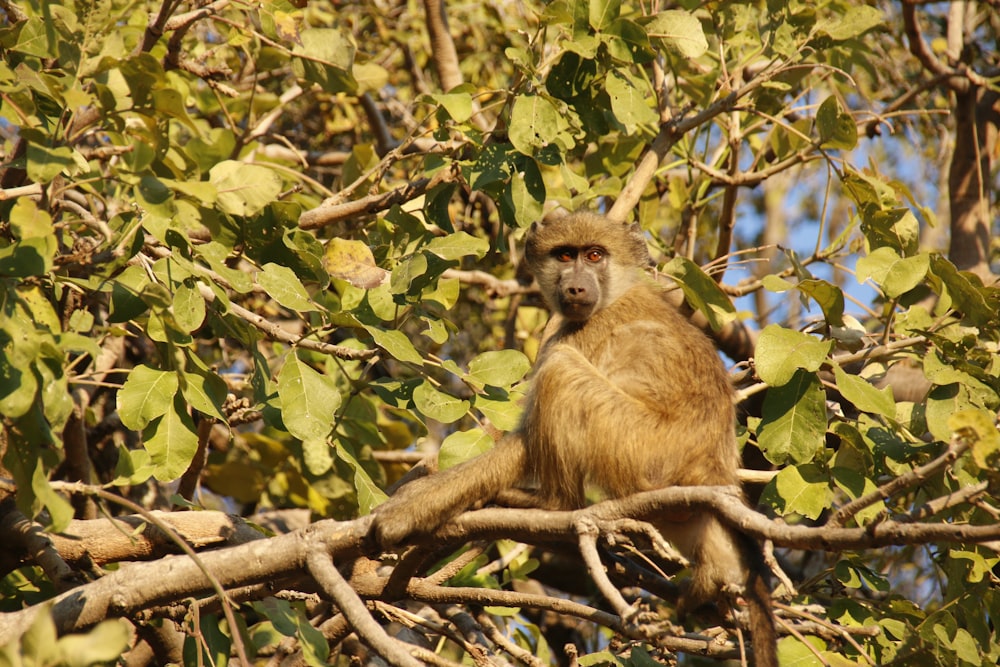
[{"x": 260, "y": 260}]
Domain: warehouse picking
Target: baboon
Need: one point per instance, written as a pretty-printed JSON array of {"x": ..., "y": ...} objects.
[{"x": 627, "y": 396}]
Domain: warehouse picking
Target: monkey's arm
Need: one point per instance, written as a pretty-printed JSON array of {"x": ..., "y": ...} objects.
[{"x": 426, "y": 503}]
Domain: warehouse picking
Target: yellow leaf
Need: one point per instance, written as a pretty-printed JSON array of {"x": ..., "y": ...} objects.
[{"x": 353, "y": 261}]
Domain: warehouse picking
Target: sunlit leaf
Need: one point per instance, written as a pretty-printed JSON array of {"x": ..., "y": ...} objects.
[
  {"x": 281, "y": 284},
  {"x": 894, "y": 274},
  {"x": 147, "y": 394},
  {"x": 309, "y": 400},
  {"x": 678, "y": 31},
  {"x": 462, "y": 446},
  {"x": 171, "y": 441},
  {"x": 794, "y": 420},
  {"x": 353, "y": 261},
  {"x": 244, "y": 189},
  {"x": 439, "y": 405},
  {"x": 781, "y": 352},
  {"x": 863, "y": 395},
  {"x": 500, "y": 368}
]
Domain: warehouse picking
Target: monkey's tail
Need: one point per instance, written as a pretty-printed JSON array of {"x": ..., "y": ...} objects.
[{"x": 763, "y": 635}]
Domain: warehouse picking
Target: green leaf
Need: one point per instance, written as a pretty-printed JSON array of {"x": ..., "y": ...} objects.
[
  {"x": 370, "y": 77},
  {"x": 457, "y": 104},
  {"x": 188, "y": 308},
  {"x": 883, "y": 220},
  {"x": 203, "y": 388},
  {"x": 894, "y": 274},
  {"x": 603, "y": 12},
  {"x": 462, "y": 446},
  {"x": 570, "y": 76},
  {"x": 216, "y": 254},
  {"x": 369, "y": 494},
  {"x": 863, "y": 395},
  {"x": 499, "y": 368},
  {"x": 801, "y": 489},
  {"x": 837, "y": 130},
  {"x": 282, "y": 285},
  {"x": 309, "y": 400},
  {"x": 978, "y": 566},
  {"x": 411, "y": 271},
  {"x": 44, "y": 163},
  {"x": 966, "y": 296},
  {"x": 18, "y": 386},
  {"x": 856, "y": 21},
  {"x": 527, "y": 193},
  {"x": 325, "y": 57},
  {"x": 503, "y": 414},
  {"x": 396, "y": 344},
  {"x": 317, "y": 456},
  {"x": 534, "y": 124},
  {"x": 793, "y": 423},
  {"x": 244, "y": 189},
  {"x": 980, "y": 429},
  {"x": 856, "y": 485},
  {"x": 134, "y": 466},
  {"x": 458, "y": 245},
  {"x": 629, "y": 102},
  {"x": 39, "y": 644},
  {"x": 801, "y": 651},
  {"x": 438, "y": 405},
  {"x": 678, "y": 31},
  {"x": 781, "y": 352},
  {"x": 147, "y": 394},
  {"x": 37, "y": 38},
  {"x": 105, "y": 643},
  {"x": 828, "y": 296},
  {"x": 703, "y": 293},
  {"x": 33, "y": 252},
  {"x": 171, "y": 441}
]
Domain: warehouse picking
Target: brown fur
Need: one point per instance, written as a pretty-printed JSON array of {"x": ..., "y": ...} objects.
[{"x": 627, "y": 396}]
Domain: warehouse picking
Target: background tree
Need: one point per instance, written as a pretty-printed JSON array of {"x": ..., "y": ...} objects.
[{"x": 258, "y": 259}]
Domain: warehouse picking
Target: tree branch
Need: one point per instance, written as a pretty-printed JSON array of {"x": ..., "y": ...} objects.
[
  {"x": 916, "y": 476},
  {"x": 326, "y": 575},
  {"x": 329, "y": 212},
  {"x": 668, "y": 136}
]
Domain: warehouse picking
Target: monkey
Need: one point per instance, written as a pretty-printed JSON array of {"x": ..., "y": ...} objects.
[{"x": 627, "y": 396}]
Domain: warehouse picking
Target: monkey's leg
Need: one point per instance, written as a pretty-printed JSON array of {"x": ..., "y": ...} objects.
[
  {"x": 717, "y": 557},
  {"x": 722, "y": 557},
  {"x": 425, "y": 504}
]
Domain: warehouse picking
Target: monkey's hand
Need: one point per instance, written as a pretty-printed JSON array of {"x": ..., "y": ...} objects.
[
  {"x": 425, "y": 504},
  {"x": 414, "y": 510}
]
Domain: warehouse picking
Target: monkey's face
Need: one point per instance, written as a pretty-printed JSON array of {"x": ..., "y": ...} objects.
[{"x": 582, "y": 273}]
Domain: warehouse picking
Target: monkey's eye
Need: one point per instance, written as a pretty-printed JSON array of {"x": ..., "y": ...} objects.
[
  {"x": 594, "y": 255},
  {"x": 564, "y": 255}
]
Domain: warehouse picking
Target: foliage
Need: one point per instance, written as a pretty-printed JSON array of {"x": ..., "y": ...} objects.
[{"x": 264, "y": 249}]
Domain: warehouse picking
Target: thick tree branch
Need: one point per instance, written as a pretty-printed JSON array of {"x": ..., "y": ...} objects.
[
  {"x": 442, "y": 46},
  {"x": 137, "y": 586},
  {"x": 918, "y": 47}
]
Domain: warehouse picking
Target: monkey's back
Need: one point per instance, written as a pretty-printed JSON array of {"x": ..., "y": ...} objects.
[{"x": 645, "y": 390}]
